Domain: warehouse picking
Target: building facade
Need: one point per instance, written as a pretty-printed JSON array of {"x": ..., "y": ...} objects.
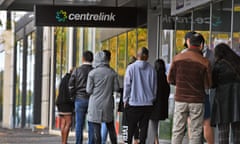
[{"x": 37, "y": 57}]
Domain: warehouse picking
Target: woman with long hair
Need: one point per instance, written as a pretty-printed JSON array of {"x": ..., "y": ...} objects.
[
  {"x": 160, "y": 108},
  {"x": 226, "y": 104},
  {"x": 65, "y": 107}
]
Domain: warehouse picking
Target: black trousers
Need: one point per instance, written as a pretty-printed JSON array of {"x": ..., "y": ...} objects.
[
  {"x": 138, "y": 117},
  {"x": 97, "y": 132}
]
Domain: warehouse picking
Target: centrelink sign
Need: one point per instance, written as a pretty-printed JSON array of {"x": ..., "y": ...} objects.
[{"x": 85, "y": 16}]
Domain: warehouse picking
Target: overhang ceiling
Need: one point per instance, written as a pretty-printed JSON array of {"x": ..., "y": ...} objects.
[{"x": 28, "y": 5}]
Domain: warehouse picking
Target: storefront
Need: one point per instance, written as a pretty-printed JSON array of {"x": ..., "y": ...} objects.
[
  {"x": 43, "y": 54},
  {"x": 216, "y": 20}
]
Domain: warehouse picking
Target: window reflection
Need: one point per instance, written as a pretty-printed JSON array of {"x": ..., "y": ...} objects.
[
  {"x": 61, "y": 45},
  {"x": 79, "y": 48},
  {"x": 2, "y": 59},
  {"x": 221, "y": 23},
  {"x": 142, "y": 37},
  {"x": 132, "y": 44},
  {"x": 19, "y": 82},
  {"x": 30, "y": 78},
  {"x": 113, "y": 50},
  {"x": 236, "y": 27},
  {"x": 122, "y": 45}
]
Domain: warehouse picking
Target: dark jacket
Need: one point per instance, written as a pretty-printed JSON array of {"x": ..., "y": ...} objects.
[
  {"x": 78, "y": 81},
  {"x": 191, "y": 73},
  {"x": 226, "y": 104},
  {"x": 160, "y": 109},
  {"x": 63, "y": 97}
]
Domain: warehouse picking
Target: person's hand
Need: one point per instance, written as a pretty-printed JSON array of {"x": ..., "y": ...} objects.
[{"x": 125, "y": 104}]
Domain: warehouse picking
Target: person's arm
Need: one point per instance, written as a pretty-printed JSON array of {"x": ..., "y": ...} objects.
[
  {"x": 116, "y": 84},
  {"x": 90, "y": 84},
  {"x": 71, "y": 84},
  {"x": 171, "y": 78},
  {"x": 127, "y": 87},
  {"x": 208, "y": 81},
  {"x": 155, "y": 84}
]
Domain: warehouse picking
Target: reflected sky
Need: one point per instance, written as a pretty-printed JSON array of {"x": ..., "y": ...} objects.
[{"x": 2, "y": 60}]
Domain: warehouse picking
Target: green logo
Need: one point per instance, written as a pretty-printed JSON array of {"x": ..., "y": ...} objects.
[
  {"x": 216, "y": 21},
  {"x": 61, "y": 16}
]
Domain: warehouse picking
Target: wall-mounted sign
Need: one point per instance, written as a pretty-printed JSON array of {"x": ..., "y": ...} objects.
[
  {"x": 46, "y": 15},
  {"x": 179, "y": 6}
]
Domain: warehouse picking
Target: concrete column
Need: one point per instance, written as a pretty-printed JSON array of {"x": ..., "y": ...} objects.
[
  {"x": 8, "y": 80},
  {"x": 46, "y": 76},
  {"x": 153, "y": 30}
]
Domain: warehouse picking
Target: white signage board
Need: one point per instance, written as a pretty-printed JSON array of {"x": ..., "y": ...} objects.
[{"x": 180, "y": 6}]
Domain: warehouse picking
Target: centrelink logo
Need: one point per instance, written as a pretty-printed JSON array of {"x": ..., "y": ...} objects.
[{"x": 63, "y": 16}]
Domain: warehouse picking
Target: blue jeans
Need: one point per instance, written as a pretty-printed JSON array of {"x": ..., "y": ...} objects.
[
  {"x": 104, "y": 132},
  {"x": 81, "y": 106}
]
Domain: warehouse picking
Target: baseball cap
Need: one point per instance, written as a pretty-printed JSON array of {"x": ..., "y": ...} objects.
[{"x": 188, "y": 35}]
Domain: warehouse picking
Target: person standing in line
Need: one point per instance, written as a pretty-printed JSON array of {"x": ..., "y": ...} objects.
[
  {"x": 139, "y": 93},
  {"x": 226, "y": 104},
  {"x": 187, "y": 37},
  {"x": 102, "y": 82},
  {"x": 207, "y": 129},
  {"x": 191, "y": 73},
  {"x": 104, "y": 130},
  {"x": 160, "y": 108},
  {"x": 65, "y": 107},
  {"x": 77, "y": 87}
]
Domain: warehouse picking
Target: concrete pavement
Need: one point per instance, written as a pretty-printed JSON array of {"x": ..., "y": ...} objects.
[{"x": 27, "y": 136}]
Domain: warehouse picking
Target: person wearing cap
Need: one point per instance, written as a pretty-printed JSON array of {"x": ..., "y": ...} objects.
[
  {"x": 190, "y": 72},
  {"x": 139, "y": 94},
  {"x": 207, "y": 129},
  {"x": 187, "y": 37}
]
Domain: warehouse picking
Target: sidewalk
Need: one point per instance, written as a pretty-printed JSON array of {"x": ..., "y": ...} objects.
[{"x": 27, "y": 136}]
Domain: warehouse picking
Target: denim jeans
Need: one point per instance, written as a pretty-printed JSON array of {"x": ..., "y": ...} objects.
[
  {"x": 104, "y": 132},
  {"x": 81, "y": 106}
]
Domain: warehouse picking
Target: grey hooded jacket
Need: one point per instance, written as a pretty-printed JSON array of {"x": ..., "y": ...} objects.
[{"x": 102, "y": 82}]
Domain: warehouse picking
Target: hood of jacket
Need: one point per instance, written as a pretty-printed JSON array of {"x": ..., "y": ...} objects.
[
  {"x": 100, "y": 59},
  {"x": 141, "y": 64}
]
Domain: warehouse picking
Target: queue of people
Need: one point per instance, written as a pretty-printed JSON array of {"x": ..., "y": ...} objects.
[{"x": 198, "y": 74}]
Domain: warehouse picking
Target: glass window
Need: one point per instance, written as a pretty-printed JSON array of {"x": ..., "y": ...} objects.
[
  {"x": 180, "y": 34},
  {"x": 85, "y": 37},
  {"x": 113, "y": 50},
  {"x": 122, "y": 45},
  {"x": 183, "y": 22},
  {"x": 236, "y": 27},
  {"x": 61, "y": 45},
  {"x": 105, "y": 45},
  {"x": 183, "y": 25},
  {"x": 221, "y": 22},
  {"x": 201, "y": 23},
  {"x": 79, "y": 48},
  {"x": 131, "y": 44},
  {"x": 2, "y": 59},
  {"x": 30, "y": 78},
  {"x": 19, "y": 82},
  {"x": 97, "y": 40},
  {"x": 142, "y": 37},
  {"x": 167, "y": 45}
]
